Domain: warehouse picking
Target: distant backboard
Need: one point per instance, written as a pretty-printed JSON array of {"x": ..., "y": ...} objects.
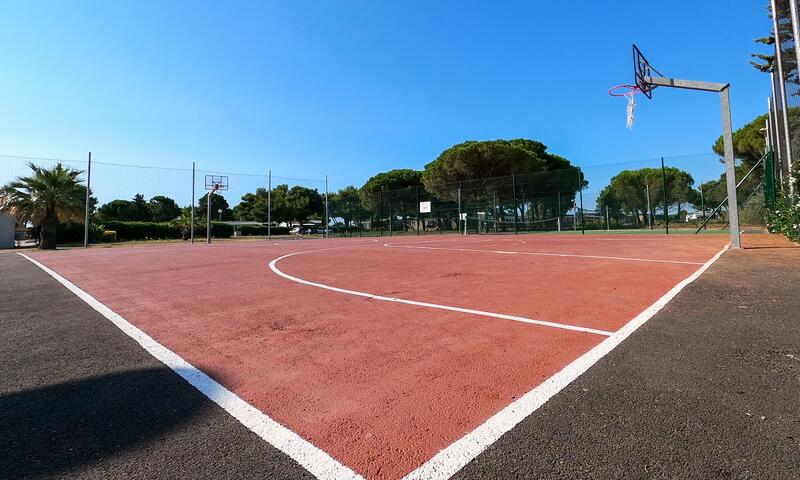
[
  {"x": 642, "y": 71},
  {"x": 216, "y": 182}
]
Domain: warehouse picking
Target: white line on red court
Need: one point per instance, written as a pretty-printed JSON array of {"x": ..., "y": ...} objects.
[
  {"x": 546, "y": 254},
  {"x": 273, "y": 266}
]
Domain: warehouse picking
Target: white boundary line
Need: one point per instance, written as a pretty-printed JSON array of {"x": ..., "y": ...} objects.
[
  {"x": 455, "y": 457},
  {"x": 313, "y": 459},
  {"x": 564, "y": 326},
  {"x": 508, "y": 252}
]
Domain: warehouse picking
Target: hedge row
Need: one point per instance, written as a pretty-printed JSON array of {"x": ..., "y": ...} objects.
[
  {"x": 258, "y": 230},
  {"x": 73, "y": 232}
]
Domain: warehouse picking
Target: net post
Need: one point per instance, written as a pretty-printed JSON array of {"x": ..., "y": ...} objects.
[
  {"x": 192, "y": 219},
  {"x": 86, "y": 215}
]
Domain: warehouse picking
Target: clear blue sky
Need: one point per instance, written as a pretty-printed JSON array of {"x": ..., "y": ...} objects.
[{"x": 349, "y": 89}]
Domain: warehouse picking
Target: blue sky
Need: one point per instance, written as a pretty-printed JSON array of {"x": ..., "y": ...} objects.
[{"x": 348, "y": 89}]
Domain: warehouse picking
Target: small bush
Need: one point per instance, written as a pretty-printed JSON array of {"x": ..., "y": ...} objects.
[
  {"x": 220, "y": 230},
  {"x": 785, "y": 219},
  {"x": 250, "y": 230},
  {"x": 108, "y": 236},
  {"x": 143, "y": 230}
]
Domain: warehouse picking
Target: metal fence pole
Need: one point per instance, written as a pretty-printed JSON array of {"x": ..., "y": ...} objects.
[
  {"x": 608, "y": 224},
  {"x": 208, "y": 216},
  {"x": 86, "y": 215},
  {"x": 458, "y": 222},
  {"x": 580, "y": 191},
  {"x": 664, "y": 185},
  {"x": 514, "y": 195},
  {"x": 192, "y": 219},
  {"x": 703, "y": 203},
  {"x": 649, "y": 210},
  {"x": 380, "y": 211},
  {"x": 327, "y": 221},
  {"x": 269, "y": 205},
  {"x": 418, "y": 212}
]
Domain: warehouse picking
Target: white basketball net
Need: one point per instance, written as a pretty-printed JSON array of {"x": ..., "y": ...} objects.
[{"x": 631, "y": 106}]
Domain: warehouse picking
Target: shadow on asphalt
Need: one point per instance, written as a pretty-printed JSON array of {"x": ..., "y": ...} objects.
[{"x": 57, "y": 429}]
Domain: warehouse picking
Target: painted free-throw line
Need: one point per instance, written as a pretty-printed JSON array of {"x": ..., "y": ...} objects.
[
  {"x": 273, "y": 266},
  {"x": 545, "y": 254},
  {"x": 310, "y": 457}
]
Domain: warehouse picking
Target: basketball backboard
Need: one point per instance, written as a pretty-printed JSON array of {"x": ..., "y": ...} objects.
[
  {"x": 216, "y": 182},
  {"x": 642, "y": 72}
]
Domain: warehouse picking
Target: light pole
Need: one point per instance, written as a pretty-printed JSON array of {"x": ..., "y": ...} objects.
[{"x": 220, "y": 214}]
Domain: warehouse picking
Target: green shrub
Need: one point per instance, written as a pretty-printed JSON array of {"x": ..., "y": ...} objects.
[
  {"x": 143, "y": 230},
  {"x": 785, "y": 219},
  {"x": 219, "y": 230},
  {"x": 72, "y": 232},
  {"x": 108, "y": 236},
  {"x": 249, "y": 230}
]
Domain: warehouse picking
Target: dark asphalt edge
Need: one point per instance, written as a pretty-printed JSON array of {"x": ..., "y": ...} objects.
[
  {"x": 707, "y": 388},
  {"x": 81, "y": 399}
]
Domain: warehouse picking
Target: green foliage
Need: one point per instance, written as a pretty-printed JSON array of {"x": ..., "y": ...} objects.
[
  {"x": 392, "y": 180},
  {"x": 45, "y": 198},
  {"x": 785, "y": 219},
  {"x": 749, "y": 143},
  {"x": 218, "y": 203},
  {"x": 477, "y": 162},
  {"x": 162, "y": 209},
  {"x": 296, "y": 203},
  {"x": 253, "y": 206},
  {"x": 628, "y": 190},
  {"x": 142, "y": 230},
  {"x": 259, "y": 230},
  {"x": 108, "y": 236}
]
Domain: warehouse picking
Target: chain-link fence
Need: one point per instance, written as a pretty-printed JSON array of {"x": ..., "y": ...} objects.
[{"x": 673, "y": 193}]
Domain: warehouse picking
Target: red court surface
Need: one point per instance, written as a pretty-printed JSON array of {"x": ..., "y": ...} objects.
[{"x": 382, "y": 386}]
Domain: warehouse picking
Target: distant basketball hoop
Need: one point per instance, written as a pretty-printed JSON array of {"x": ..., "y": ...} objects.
[{"x": 214, "y": 183}]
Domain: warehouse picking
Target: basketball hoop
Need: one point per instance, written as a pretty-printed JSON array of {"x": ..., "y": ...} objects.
[{"x": 629, "y": 92}]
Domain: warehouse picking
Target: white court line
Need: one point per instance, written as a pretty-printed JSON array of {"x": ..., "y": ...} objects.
[
  {"x": 274, "y": 268},
  {"x": 506, "y": 252},
  {"x": 313, "y": 459},
  {"x": 455, "y": 457}
]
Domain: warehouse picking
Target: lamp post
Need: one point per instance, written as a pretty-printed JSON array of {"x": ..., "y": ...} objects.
[{"x": 220, "y": 214}]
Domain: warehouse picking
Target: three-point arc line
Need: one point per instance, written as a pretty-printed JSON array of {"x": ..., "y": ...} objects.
[{"x": 273, "y": 266}]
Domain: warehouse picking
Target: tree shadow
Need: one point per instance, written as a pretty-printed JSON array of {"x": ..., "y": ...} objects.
[{"x": 62, "y": 427}]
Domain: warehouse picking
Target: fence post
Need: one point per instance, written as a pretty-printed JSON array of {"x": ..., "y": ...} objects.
[
  {"x": 380, "y": 211},
  {"x": 269, "y": 205},
  {"x": 192, "y": 220},
  {"x": 580, "y": 192},
  {"x": 418, "y": 212},
  {"x": 769, "y": 180},
  {"x": 327, "y": 220},
  {"x": 514, "y": 194},
  {"x": 86, "y": 216},
  {"x": 703, "y": 204},
  {"x": 664, "y": 185}
]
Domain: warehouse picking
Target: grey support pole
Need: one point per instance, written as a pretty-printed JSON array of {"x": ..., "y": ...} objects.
[
  {"x": 649, "y": 212},
  {"x": 327, "y": 221},
  {"x": 208, "y": 216},
  {"x": 86, "y": 215},
  {"x": 269, "y": 205},
  {"x": 580, "y": 192},
  {"x": 192, "y": 220},
  {"x": 784, "y": 100},
  {"x": 730, "y": 170},
  {"x": 664, "y": 188},
  {"x": 727, "y": 139}
]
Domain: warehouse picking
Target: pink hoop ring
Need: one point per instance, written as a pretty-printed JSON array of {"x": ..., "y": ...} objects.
[{"x": 624, "y": 90}]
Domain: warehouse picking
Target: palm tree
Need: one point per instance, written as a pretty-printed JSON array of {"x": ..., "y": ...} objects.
[{"x": 47, "y": 197}]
